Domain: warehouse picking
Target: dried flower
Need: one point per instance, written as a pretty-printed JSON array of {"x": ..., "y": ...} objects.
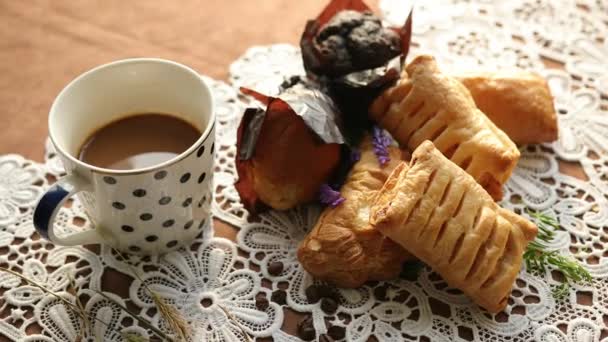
[
  {"x": 71, "y": 289},
  {"x": 173, "y": 318},
  {"x": 131, "y": 337},
  {"x": 329, "y": 196},
  {"x": 355, "y": 156},
  {"x": 78, "y": 308},
  {"x": 381, "y": 142},
  {"x": 169, "y": 313},
  {"x": 236, "y": 322}
]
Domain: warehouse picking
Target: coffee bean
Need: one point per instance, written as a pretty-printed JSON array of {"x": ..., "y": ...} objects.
[
  {"x": 327, "y": 291},
  {"x": 325, "y": 338},
  {"x": 306, "y": 329},
  {"x": 380, "y": 293},
  {"x": 275, "y": 268},
  {"x": 336, "y": 332},
  {"x": 262, "y": 304},
  {"x": 313, "y": 294},
  {"x": 329, "y": 306},
  {"x": 411, "y": 269},
  {"x": 307, "y": 334},
  {"x": 279, "y": 297}
]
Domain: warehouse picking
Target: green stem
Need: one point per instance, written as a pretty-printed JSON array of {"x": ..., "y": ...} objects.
[{"x": 537, "y": 257}]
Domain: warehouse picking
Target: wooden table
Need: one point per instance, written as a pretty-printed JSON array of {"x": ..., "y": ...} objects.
[{"x": 45, "y": 44}]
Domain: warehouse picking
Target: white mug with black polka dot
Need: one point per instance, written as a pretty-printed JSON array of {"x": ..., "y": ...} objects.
[{"x": 145, "y": 211}]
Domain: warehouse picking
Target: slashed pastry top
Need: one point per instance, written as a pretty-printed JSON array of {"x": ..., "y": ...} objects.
[
  {"x": 343, "y": 248},
  {"x": 518, "y": 102},
  {"x": 440, "y": 214},
  {"x": 429, "y": 105}
]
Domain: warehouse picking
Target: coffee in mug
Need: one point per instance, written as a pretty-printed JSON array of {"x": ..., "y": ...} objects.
[
  {"x": 136, "y": 138},
  {"x": 137, "y": 141}
]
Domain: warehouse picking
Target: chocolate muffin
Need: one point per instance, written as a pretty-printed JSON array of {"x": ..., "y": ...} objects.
[
  {"x": 348, "y": 51},
  {"x": 352, "y": 41}
]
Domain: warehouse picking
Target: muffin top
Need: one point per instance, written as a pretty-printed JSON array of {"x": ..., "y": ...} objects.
[{"x": 354, "y": 41}]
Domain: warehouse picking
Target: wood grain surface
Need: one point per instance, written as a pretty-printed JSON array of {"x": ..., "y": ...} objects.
[{"x": 44, "y": 44}]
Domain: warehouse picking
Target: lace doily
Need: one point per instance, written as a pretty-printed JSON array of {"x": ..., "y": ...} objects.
[{"x": 216, "y": 275}]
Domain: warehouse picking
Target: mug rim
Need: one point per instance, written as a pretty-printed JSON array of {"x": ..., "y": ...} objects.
[{"x": 204, "y": 135}]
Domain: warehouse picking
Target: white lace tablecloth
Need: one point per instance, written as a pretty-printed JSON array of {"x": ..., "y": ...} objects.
[{"x": 217, "y": 272}]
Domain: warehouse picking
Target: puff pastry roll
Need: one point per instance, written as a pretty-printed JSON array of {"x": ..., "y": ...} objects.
[
  {"x": 518, "y": 102},
  {"x": 428, "y": 105},
  {"x": 343, "y": 248},
  {"x": 440, "y": 214}
]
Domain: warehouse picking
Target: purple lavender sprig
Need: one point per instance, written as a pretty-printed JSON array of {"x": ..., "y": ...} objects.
[
  {"x": 355, "y": 156},
  {"x": 381, "y": 142},
  {"x": 329, "y": 196}
]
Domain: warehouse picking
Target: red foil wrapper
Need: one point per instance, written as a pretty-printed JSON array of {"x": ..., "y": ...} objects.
[
  {"x": 286, "y": 151},
  {"x": 354, "y": 76}
]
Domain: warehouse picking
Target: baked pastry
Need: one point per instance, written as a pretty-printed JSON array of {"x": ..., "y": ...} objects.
[
  {"x": 275, "y": 147},
  {"x": 354, "y": 56},
  {"x": 343, "y": 248},
  {"x": 280, "y": 172},
  {"x": 440, "y": 214},
  {"x": 429, "y": 105},
  {"x": 518, "y": 102},
  {"x": 351, "y": 41}
]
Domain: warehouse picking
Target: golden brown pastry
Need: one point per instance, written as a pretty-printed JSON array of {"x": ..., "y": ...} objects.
[
  {"x": 440, "y": 214},
  {"x": 280, "y": 173},
  {"x": 343, "y": 248},
  {"x": 283, "y": 173},
  {"x": 518, "y": 102},
  {"x": 428, "y": 105}
]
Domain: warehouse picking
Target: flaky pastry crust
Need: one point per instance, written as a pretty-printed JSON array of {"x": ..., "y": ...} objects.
[
  {"x": 518, "y": 102},
  {"x": 343, "y": 248},
  {"x": 429, "y": 105},
  {"x": 290, "y": 163},
  {"x": 437, "y": 212}
]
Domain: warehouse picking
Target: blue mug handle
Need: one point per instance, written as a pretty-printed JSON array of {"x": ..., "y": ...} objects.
[{"x": 48, "y": 206}]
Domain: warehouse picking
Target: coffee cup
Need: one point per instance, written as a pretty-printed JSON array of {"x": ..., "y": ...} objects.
[{"x": 147, "y": 210}]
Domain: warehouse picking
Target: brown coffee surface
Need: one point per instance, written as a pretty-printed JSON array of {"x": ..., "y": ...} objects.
[{"x": 138, "y": 141}]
